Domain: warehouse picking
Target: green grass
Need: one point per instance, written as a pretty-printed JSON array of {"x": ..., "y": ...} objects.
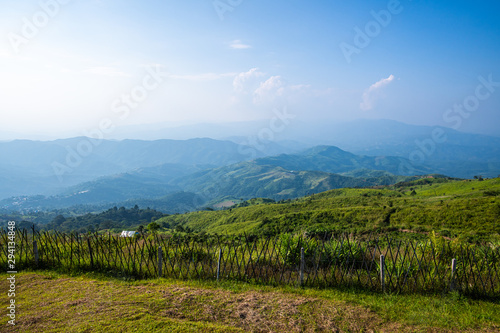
[
  {"x": 468, "y": 210},
  {"x": 52, "y": 302},
  {"x": 471, "y": 187}
]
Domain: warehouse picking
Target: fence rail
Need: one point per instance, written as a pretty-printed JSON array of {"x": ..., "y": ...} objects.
[{"x": 379, "y": 264}]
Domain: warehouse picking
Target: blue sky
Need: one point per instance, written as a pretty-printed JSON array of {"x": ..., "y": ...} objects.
[{"x": 236, "y": 60}]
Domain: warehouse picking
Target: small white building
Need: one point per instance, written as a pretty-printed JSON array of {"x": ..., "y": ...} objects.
[{"x": 128, "y": 233}]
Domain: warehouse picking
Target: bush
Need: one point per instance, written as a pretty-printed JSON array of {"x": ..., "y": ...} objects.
[
  {"x": 290, "y": 248},
  {"x": 345, "y": 253}
]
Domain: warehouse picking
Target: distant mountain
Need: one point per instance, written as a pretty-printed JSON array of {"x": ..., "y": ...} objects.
[
  {"x": 455, "y": 154},
  {"x": 279, "y": 177},
  {"x": 50, "y": 167},
  {"x": 172, "y": 203},
  {"x": 242, "y": 180},
  {"x": 149, "y": 186},
  {"x": 252, "y": 179},
  {"x": 139, "y": 185},
  {"x": 293, "y": 175},
  {"x": 335, "y": 160},
  {"x": 450, "y": 152},
  {"x": 83, "y": 171},
  {"x": 36, "y": 167}
]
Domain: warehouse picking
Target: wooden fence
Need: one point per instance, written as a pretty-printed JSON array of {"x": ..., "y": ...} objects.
[{"x": 378, "y": 264}]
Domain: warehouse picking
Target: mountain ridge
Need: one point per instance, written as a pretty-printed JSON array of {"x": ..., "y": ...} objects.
[{"x": 280, "y": 177}]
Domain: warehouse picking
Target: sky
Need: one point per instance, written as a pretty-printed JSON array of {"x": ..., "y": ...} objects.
[{"x": 73, "y": 67}]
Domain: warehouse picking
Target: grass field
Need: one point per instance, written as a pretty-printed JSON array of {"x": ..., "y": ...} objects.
[
  {"x": 51, "y": 302},
  {"x": 465, "y": 209}
]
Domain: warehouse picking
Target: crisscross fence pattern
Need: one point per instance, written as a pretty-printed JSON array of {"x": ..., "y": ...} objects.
[{"x": 377, "y": 264}]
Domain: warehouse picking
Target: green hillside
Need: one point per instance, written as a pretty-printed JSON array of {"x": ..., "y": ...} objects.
[
  {"x": 252, "y": 179},
  {"x": 285, "y": 176},
  {"x": 466, "y": 209}
]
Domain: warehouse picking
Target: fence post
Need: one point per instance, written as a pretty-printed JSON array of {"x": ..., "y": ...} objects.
[
  {"x": 35, "y": 252},
  {"x": 302, "y": 266},
  {"x": 218, "y": 264},
  {"x": 453, "y": 270},
  {"x": 160, "y": 261},
  {"x": 90, "y": 252},
  {"x": 382, "y": 272}
]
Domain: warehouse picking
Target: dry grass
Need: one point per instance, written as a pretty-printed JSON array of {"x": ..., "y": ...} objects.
[{"x": 67, "y": 304}]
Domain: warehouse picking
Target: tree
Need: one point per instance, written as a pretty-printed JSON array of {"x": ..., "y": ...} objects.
[
  {"x": 58, "y": 220},
  {"x": 153, "y": 227},
  {"x": 106, "y": 224}
]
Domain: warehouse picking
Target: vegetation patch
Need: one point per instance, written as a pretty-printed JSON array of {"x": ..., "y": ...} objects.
[{"x": 468, "y": 210}]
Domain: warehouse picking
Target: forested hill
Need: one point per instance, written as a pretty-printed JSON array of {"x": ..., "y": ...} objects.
[{"x": 114, "y": 218}]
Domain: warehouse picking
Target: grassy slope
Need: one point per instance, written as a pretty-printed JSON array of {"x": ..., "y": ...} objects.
[
  {"x": 48, "y": 302},
  {"x": 466, "y": 209}
]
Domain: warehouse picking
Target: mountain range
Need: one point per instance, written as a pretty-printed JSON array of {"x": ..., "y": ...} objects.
[
  {"x": 49, "y": 167},
  {"x": 446, "y": 150},
  {"x": 181, "y": 175},
  {"x": 180, "y": 187}
]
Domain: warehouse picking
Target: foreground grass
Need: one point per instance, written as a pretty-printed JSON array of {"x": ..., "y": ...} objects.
[{"x": 51, "y": 302}]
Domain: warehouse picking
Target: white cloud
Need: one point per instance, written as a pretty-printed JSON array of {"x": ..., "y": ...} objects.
[
  {"x": 269, "y": 89},
  {"x": 276, "y": 88},
  {"x": 373, "y": 93},
  {"x": 238, "y": 45},
  {"x": 253, "y": 90},
  {"x": 242, "y": 78}
]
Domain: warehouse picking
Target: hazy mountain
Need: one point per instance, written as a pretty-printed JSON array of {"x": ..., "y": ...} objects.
[
  {"x": 175, "y": 202},
  {"x": 292, "y": 175},
  {"x": 280, "y": 177},
  {"x": 89, "y": 171},
  {"x": 455, "y": 153},
  {"x": 36, "y": 167},
  {"x": 442, "y": 149},
  {"x": 144, "y": 183},
  {"x": 335, "y": 160},
  {"x": 252, "y": 179}
]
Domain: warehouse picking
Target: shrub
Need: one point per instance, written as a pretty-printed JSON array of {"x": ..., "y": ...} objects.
[{"x": 290, "y": 248}]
